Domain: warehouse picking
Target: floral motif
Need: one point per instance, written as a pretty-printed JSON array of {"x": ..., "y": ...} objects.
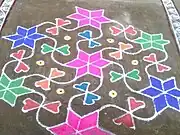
[
  {"x": 164, "y": 94},
  {"x": 89, "y": 64},
  {"x": 152, "y": 41},
  {"x": 24, "y": 36},
  {"x": 77, "y": 125},
  {"x": 86, "y": 17},
  {"x": 10, "y": 90}
]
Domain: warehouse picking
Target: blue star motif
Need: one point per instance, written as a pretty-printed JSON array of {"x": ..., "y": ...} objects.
[
  {"x": 24, "y": 36},
  {"x": 164, "y": 94}
]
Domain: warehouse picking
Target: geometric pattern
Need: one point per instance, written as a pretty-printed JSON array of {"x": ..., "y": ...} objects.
[
  {"x": 24, "y": 36},
  {"x": 152, "y": 41},
  {"x": 164, "y": 94},
  {"x": 94, "y": 18},
  {"x": 75, "y": 124},
  {"x": 10, "y": 90},
  {"x": 92, "y": 61},
  {"x": 88, "y": 64}
]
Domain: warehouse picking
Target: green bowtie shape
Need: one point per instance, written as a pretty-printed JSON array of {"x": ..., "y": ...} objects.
[
  {"x": 115, "y": 76},
  {"x": 134, "y": 75},
  {"x": 45, "y": 48},
  {"x": 64, "y": 50}
]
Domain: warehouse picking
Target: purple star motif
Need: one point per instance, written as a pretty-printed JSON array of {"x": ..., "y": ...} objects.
[
  {"x": 88, "y": 64},
  {"x": 24, "y": 36},
  {"x": 94, "y": 18},
  {"x": 164, "y": 94},
  {"x": 77, "y": 125}
]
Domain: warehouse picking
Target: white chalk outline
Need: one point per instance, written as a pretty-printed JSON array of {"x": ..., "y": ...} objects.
[
  {"x": 44, "y": 106},
  {"x": 101, "y": 79}
]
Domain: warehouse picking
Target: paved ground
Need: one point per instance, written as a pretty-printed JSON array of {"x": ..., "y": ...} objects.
[
  {"x": 177, "y": 2},
  {"x": 148, "y": 16}
]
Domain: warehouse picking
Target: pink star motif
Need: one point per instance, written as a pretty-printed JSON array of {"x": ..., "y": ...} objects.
[
  {"x": 88, "y": 64},
  {"x": 77, "y": 125},
  {"x": 86, "y": 17}
]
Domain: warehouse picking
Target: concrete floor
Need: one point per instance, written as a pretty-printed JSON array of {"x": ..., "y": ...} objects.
[
  {"x": 177, "y": 3},
  {"x": 148, "y": 16}
]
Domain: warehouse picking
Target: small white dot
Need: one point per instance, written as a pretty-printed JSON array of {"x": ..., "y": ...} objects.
[
  {"x": 60, "y": 91},
  {"x": 67, "y": 38},
  {"x": 113, "y": 94},
  {"x": 134, "y": 62},
  {"x": 110, "y": 40},
  {"x": 40, "y": 63}
]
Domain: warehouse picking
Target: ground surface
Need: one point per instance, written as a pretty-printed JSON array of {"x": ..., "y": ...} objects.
[
  {"x": 177, "y": 2},
  {"x": 148, "y": 16}
]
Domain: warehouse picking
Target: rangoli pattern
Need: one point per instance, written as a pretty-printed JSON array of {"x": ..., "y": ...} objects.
[{"x": 162, "y": 94}]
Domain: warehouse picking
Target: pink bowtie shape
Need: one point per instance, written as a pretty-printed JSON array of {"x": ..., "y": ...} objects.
[
  {"x": 116, "y": 30},
  {"x": 127, "y": 119},
  {"x": 30, "y": 105},
  {"x": 152, "y": 58},
  {"x": 59, "y": 23},
  {"x": 21, "y": 66}
]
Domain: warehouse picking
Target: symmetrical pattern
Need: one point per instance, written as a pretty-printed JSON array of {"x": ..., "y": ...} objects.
[
  {"x": 24, "y": 36},
  {"x": 75, "y": 124},
  {"x": 94, "y": 18},
  {"x": 10, "y": 90},
  {"x": 162, "y": 94},
  {"x": 88, "y": 63}
]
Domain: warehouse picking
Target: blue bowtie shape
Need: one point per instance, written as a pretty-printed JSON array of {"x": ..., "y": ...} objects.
[
  {"x": 82, "y": 87},
  {"x": 90, "y": 98},
  {"x": 87, "y": 34}
]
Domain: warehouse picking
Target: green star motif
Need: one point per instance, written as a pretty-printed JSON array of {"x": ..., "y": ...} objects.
[
  {"x": 10, "y": 90},
  {"x": 152, "y": 41}
]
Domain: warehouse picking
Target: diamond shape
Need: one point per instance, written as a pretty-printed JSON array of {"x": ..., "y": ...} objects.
[
  {"x": 156, "y": 83},
  {"x": 169, "y": 84},
  {"x": 174, "y": 92},
  {"x": 10, "y": 98},
  {"x": 152, "y": 92},
  {"x": 160, "y": 103},
  {"x": 172, "y": 101}
]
